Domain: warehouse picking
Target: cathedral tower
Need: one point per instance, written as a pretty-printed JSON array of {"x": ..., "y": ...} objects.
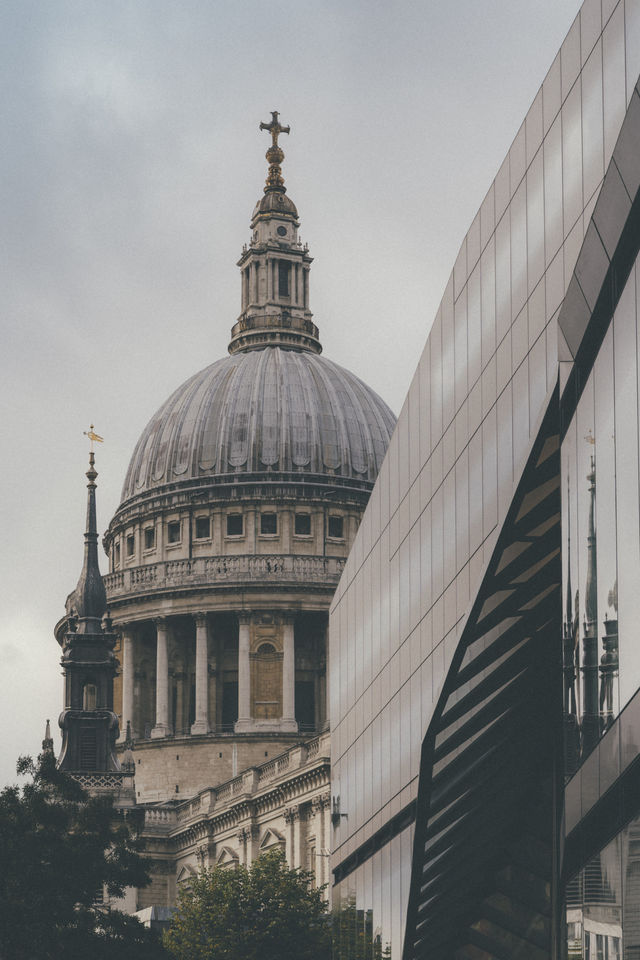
[{"x": 89, "y": 725}]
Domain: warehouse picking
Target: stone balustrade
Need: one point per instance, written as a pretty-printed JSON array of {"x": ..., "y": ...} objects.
[
  {"x": 249, "y": 782},
  {"x": 227, "y": 570}
]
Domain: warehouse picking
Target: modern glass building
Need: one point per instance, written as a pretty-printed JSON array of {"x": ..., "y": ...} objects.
[{"x": 485, "y": 660}]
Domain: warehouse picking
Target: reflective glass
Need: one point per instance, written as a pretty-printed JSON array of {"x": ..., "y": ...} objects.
[
  {"x": 572, "y": 158},
  {"x": 460, "y": 349},
  {"x": 590, "y": 26},
  {"x": 570, "y": 57},
  {"x": 553, "y": 220},
  {"x": 503, "y": 278},
  {"x": 626, "y": 473},
  {"x": 488, "y": 295},
  {"x": 551, "y": 94},
  {"x": 534, "y": 127},
  {"x": 535, "y": 221},
  {"x": 592, "y": 122},
  {"x": 517, "y": 159}
]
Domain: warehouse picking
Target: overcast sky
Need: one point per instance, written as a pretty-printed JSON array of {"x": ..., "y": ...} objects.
[{"x": 131, "y": 162}]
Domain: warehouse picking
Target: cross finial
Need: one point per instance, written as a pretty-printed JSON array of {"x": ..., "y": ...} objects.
[{"x": 275, "y": 128}]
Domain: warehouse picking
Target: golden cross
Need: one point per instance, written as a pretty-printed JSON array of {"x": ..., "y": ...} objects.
[
  {"x": 92, "y": 436},
  {"x": 274, "y": 128}
]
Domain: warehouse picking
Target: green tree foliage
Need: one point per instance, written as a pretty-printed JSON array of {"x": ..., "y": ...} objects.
[
  {"x": 59, "y": 849},
  {"x": 266, "y": 912}
]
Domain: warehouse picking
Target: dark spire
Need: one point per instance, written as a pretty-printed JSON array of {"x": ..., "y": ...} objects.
[
  {"x": 89, "y": 599},
  {"x": 591, "y": 594},
  {"x": 591, "y": 712},
  {"x": 47, "y": 743}
]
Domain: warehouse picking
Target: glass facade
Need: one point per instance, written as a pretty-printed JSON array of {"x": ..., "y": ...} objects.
[{"x": 535, "y": 276}]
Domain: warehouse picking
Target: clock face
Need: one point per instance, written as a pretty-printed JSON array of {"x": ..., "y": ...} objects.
[{"x": 281, "y": 231}]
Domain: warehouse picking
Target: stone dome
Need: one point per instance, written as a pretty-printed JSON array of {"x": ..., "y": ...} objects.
[
  {"x": 271, "y": 412},
  {"x": 275, "y": 203}
]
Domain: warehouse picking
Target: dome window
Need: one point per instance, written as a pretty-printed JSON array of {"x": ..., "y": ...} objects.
[
  {"x": 131, "y": 545},
  {"x": 149, "y": 538},
  {"x": 336, "y": 528},
  {"x": 203, "y": 528},
  {"x": 302, "y": 526},
  {"x": 173, "y": 531},
  {"x": 235, "y": 525},
  {"x": 268, "y": 524}
]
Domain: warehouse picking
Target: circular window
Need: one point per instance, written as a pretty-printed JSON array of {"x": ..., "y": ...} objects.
[{"x": 281, "y": 231}]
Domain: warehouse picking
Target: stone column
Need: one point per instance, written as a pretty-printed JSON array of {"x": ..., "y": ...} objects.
[
  {"x": 244, "y": 673},
  {"x": 161, "y": 728},
  {"x": 292, "y": 819},
  {"x": 201, "y": 725},
  {"x": 128, "y": 677},
  {"x": 288, "y": 677}
]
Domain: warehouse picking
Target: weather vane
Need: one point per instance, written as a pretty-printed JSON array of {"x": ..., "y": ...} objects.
[{"x": 93, "y": 436}]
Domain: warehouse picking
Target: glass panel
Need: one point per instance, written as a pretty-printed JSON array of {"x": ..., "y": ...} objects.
[
  {"x": 503, "y": 279},
  {"x": 535, "y": 221},
  {"x": 488, "y": 291},
  {"x": 553, "y": 191},
  {"x": 592, "y": 130},
  {"x": 518, "y": 250},
  {"x": 626, "y": 462},
  {"x": 613, "y": 80},
  {"x": 460, "y": 348},
  {"x": 572, "y": 158}
]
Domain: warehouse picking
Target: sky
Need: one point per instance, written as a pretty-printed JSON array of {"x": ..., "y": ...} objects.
[{"x": 130, "y": 166}]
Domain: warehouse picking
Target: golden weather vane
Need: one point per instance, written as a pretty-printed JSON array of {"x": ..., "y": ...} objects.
[{"x": 93, "y": 436}]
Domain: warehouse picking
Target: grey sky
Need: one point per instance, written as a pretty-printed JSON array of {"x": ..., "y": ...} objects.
[{"x": 131, "y": 163}]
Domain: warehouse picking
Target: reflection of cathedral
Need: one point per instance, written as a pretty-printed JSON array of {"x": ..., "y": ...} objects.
[
  {"x": 242, "y": 499},
  {"x": 589, "y": 683}
]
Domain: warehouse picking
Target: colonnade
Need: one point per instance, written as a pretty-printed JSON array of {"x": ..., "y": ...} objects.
[{"x": 202, "y": 724}]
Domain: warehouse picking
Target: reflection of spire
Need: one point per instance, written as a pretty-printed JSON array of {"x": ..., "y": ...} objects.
[
  {"x": 591, "y": 717},
  {"x": 609, "y": 662},
  {"x": 571, "y": 730}
]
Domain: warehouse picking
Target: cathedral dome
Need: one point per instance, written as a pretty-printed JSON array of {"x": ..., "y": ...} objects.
[{"x": 269, "y": 411}]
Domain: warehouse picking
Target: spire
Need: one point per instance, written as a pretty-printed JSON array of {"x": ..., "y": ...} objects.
[
  {"x": 569, "y": 609},
  {"x": 591, "y": 712},
  {"x": 89, "y": 599},
  {"x": 591, "y": 595},
  {"x": 275, "y": 154},
  {"x": 47, "y": 743},
  {"x": 274, "y": 268}
]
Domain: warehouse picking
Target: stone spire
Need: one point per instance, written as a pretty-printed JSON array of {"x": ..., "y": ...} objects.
[
  {"x": 89, "y": 725},
  {"x": 274, "y": 268},
  {"x": 89, "y": 599}
]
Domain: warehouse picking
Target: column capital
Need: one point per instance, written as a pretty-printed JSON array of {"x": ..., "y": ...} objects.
[
  {"x": 244, "y": 617},
  {"x": 287, "y": 619},
  {"x": 200, "y": 619},
  {"x": 160, "y": 621}
]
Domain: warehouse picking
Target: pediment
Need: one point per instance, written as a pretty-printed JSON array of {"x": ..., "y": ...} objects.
[
  {"x": 187, "y": 872},
  {"x": 271, "y": 839}
]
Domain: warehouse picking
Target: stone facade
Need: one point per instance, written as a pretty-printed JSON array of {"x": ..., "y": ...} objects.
[{"x": 240, "y": 505}]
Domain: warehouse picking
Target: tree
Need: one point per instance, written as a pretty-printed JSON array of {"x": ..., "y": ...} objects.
[
  {"x": 266, "y": 912},
  {"x": 59, "y": 849}
]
